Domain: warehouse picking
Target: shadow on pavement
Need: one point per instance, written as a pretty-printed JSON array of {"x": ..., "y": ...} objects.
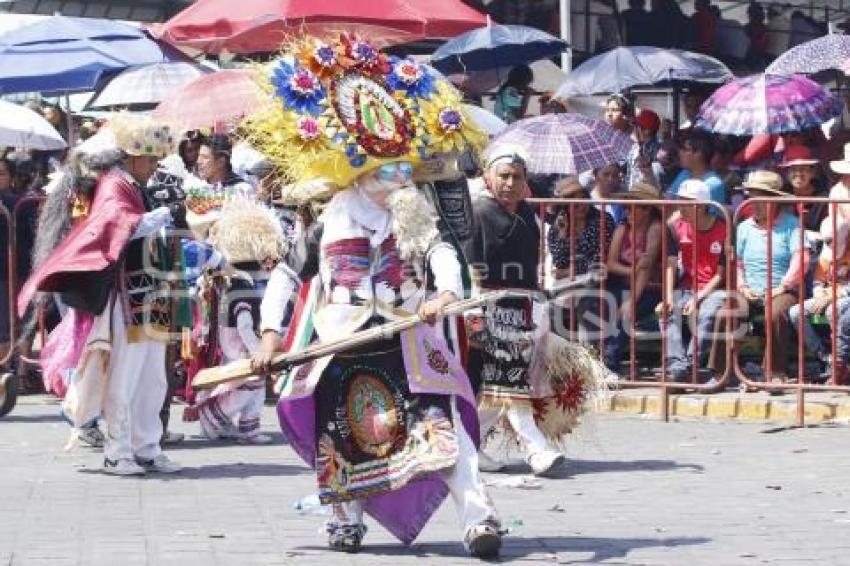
[
  {"x": 220, "y": 471},
  {"x": 599, "y": 549},
  {"x": 574, "y": 468},
  {"x": 237, "y": 471},
  {"x": 32, "y": 419},
  {"x": 195, "y": 442}
]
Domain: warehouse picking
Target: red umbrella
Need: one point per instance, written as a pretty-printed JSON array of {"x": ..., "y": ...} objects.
[
  {"x": 216, "y": 100},
  {"x": 214, "y": 26}
]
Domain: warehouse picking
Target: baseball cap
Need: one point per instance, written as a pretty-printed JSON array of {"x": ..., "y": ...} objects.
[{"x": 694, "y": 189}]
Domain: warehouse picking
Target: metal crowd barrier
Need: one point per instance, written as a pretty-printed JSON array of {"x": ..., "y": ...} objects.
[
  {"x": 726, "y": 316},
  {"x": 801, "y": 387},
  {"x": 729, "y": 318}
]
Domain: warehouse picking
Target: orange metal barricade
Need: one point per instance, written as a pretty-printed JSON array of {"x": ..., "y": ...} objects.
[
  {"x": 15, "y": 283},
  {"x": 666, "y": 207},
  {"x": 800, "y": 387},
  {"x": 727, "y": 314}
]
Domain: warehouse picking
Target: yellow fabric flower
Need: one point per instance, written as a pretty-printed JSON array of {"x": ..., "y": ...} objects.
[{"x": 450, "y": 128}]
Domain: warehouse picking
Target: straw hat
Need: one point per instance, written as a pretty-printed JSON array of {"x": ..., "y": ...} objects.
[
  {"x": 641, "y": 191},
  {"x": 765, "y": 182},
  {"x": 842, "y": 167},
  {"x": 798, "y": 155}
]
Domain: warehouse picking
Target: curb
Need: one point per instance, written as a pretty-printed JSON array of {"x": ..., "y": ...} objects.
[{"x": 819, "y": 407}]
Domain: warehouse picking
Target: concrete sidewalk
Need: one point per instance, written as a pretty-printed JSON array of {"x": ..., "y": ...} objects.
[
  {"x": 635, "y": 491},
  {"x": 759, "y": 406}
]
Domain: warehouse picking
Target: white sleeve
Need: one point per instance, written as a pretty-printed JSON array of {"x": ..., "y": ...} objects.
[
  {"x": 279, "y": 289},
  {"x": 245, "y": 328},
  {"x": 446, "y": 269},
  {"x": 152, "y": 222}
]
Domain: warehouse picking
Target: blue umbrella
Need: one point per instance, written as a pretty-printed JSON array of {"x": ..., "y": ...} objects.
[
  {"x": 61, "y": 54},
  {"x": 495, "y": 46},
  {"x": 626, "y": 67}
]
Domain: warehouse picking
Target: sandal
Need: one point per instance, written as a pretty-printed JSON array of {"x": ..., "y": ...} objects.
[
  {"x": 483, "y": 540},
  {"x": 346, "y": 538}
]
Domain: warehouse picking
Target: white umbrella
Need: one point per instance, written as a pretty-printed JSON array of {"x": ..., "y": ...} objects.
[
  {"x": 22, "y": 128},
  {"x": 486, "y": 120},
  {"x": 146, "y": 84}
]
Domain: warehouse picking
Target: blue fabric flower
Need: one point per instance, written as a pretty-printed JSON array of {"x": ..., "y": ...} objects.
[
  {"x": 299, "y": 88},
  {"x": 411, "y": 77}
]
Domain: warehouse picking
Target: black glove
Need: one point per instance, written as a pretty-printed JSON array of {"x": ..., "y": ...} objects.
[{"x": 178, "y": 215}]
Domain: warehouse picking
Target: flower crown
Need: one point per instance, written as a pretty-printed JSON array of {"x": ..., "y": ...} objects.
[{"x": 343, "y": 108}]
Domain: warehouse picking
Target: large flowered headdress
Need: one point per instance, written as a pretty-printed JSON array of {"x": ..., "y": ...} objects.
[{"x": 344, "y": 108}]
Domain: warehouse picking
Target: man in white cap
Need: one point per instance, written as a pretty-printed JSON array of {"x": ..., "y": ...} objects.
[
  {"x": 695, "y": 278},
  {"x": 105, "y": 272},
  {"x": 503, "y": 253}
]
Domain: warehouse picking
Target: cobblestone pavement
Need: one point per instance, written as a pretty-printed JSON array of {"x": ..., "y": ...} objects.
[{"x": 634, "y": 491}]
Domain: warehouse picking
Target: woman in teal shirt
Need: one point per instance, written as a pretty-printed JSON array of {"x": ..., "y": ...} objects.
[{"x": 786, "y": 266}]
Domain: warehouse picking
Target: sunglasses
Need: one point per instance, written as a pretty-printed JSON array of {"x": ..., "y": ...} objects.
[{"x": 392, "y": 171}]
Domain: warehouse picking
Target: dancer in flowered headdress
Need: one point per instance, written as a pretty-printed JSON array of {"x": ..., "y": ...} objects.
[{"x": 391, "y": 428}]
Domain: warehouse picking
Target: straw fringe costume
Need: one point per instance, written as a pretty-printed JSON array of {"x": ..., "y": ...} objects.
[
  {"x": 390, "y": 428},
  {"x": 249, "y": 237}
]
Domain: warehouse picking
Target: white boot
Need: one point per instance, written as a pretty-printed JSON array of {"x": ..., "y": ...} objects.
[
  {"x": 543, "y": 462},
  {"x": 488, "y": 464}
]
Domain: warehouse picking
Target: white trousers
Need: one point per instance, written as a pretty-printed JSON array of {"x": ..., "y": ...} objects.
[
  {"x": 134, "y": 395},
  {"x": 235, "y": 411},
  {"x": 521, "y": 418},
  {"x": 471, "y": 501}
]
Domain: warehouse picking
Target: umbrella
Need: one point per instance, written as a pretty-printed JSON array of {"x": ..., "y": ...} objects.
[
  {"x": 222, "y": 97},
  {"x": 626, "y": 67},
  {"x": 260, "y": 25},
  {"x": 827, "y": 52},
  {"x": 495, "y": 46},
  {"x": 146, "y": 85},
  {"x": 764, "y": 104},
  {"x": 566, "y": 143},
  {"x": 491, "y": 124},
  {"x": 61, "y": 54},
  {"x": 22, "y": 128},
  {"x": 547, "y": 78}
]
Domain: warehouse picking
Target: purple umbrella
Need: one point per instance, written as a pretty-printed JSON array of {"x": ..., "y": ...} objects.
[
  {"x": 767, "y": 105},
  {"x": 827, "y": 52},
  {"x": 566, "y": 143}
]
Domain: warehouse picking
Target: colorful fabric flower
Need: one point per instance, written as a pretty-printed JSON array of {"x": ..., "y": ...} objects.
[
  {"x": 409, "y": 76},
  {"x": 299, "y": 88},
  {"x": 450, "y": 119},
  {"x": 448, "y": 127},
  {"x": 361, "y": 54},
  {"x": 308, "y": 128},
  {"x": 320, "y": 57}
]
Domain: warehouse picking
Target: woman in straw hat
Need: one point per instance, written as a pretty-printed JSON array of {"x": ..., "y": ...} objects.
[
  {"x": 778, "y": 282},
  {"x": 799, "y": 166},
  {"x": 636, "y": 245}
]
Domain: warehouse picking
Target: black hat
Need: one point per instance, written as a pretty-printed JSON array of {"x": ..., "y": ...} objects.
[{"x": 219, "y": 144}]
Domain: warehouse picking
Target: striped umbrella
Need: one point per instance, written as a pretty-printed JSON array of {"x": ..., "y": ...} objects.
[
  {"x": 566, "y": 143},
  {"x": 764, "y": 104},
  {"x": 216, "y": 100},
  {"x": 146, "y": 85}
]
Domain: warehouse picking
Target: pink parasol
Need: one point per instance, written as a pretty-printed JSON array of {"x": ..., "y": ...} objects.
[{"x": 216, "y": 100}]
